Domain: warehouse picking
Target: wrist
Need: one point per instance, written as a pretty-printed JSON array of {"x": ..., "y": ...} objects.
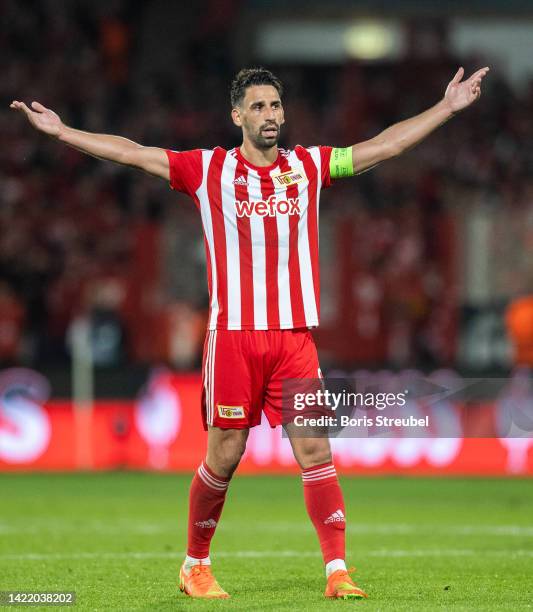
[
  {"x": 446, "y": 107},
  {"x": 61, "y": 132}
]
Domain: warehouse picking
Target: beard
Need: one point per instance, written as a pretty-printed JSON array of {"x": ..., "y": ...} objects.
[{"x": 265, "y": 140}]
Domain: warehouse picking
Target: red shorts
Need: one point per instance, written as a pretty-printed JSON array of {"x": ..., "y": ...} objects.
[{"x": 243, "y": 372}]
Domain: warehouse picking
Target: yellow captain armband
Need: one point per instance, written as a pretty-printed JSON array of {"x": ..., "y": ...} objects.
[{"x": 341, "y": 163}]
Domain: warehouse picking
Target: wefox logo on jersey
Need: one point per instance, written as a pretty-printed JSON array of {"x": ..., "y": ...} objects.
[{"x": 270, "y": 208}]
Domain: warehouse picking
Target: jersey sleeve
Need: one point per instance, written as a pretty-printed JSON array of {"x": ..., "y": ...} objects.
[
  {"x": 325, "y": 156},
  {"x": 185, "y": 169}
]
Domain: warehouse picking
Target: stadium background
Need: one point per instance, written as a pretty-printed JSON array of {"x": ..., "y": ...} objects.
[{"x": 421, "y": 258}]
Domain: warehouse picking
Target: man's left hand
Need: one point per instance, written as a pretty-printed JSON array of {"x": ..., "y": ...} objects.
[{"x": 460, "y": 94}]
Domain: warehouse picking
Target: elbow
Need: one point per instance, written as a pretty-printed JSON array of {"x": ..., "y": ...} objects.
[
  {"x": 387, "y": 147},
  {"x": 129, "y": 156},
  {"x": 124, "y": 158},
  {"x": 393, "y": 149}
]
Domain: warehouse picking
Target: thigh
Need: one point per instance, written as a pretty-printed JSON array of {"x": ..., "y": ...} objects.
[
  {"x": 297, "y": 359},
  {"x": 231, "y": 376}
]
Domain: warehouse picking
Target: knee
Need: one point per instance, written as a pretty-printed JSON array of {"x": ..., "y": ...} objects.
[
  {"x": 224, "y": 457},
  {"x": 313, "y": 452}
]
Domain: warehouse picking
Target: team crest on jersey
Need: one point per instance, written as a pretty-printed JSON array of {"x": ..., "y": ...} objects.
[
  {"x": 231, "y": 412},
  {"x": 285, "y": 179}
]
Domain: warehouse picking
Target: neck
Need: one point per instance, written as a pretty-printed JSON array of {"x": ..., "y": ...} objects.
[{"x": 259, "y": 157}]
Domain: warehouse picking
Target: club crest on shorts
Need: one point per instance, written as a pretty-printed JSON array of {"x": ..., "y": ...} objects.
[{"x": 231, "y": 412}]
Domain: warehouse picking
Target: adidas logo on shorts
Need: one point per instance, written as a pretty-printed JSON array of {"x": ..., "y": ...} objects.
[
  {"x": 209, "y": 524},
  {"x": 336, "y": 517}
]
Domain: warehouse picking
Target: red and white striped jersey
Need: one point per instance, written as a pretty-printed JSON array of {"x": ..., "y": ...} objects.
[{"x": 261, "y": 233}]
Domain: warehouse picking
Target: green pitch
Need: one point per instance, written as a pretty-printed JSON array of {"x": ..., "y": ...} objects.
[{"x": 419, "y": 544}]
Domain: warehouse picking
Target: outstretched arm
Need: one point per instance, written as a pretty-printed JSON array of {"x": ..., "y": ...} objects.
[
  {"x": 114, "y": 148},
  {"x": 406, "y": 134}
]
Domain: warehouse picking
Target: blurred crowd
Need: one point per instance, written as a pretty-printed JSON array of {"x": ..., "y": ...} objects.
[{"x": 73, "y": 229}]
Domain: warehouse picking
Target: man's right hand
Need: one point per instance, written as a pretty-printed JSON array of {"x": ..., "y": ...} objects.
[{"x": 42, "y": 118}]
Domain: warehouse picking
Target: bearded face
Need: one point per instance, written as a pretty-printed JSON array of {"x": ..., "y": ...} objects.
[
  {"x": 261, "y": 116},
  {"x": 264, "y": 136}
]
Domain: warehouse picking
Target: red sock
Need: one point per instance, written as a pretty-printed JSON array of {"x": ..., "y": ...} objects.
[
  {"x": 325, "y": 505},
  {"x": 206, "y": 499}
]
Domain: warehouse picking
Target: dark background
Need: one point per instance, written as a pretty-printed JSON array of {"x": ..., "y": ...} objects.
[{"x": 420, "y": 257}]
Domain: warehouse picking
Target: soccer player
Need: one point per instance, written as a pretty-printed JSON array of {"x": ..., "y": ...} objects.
[{"x": 259, "y": 209}]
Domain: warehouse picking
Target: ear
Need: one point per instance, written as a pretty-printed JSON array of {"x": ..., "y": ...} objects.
[{"x": 236, "y": 116}]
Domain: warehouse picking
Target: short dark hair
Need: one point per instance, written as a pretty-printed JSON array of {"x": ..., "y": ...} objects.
[{"x": 247, "y": 77}]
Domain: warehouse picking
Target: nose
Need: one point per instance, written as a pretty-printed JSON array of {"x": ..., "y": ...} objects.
[{"x": 270, "y": 115}]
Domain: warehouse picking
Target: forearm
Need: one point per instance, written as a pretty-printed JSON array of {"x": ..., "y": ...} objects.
[
  {"x": 103, "y": 146},
  {"x": 406, "y": 134},
  {"x": 114, "y": 148}
]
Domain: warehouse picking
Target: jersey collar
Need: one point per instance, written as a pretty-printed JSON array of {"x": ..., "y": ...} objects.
[{"x": 260, "y": 169}]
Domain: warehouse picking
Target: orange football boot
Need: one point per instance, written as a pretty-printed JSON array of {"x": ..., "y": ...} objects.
[
  {"x": 201, "y": 583},
  {"x": 341, "y": 586}
]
